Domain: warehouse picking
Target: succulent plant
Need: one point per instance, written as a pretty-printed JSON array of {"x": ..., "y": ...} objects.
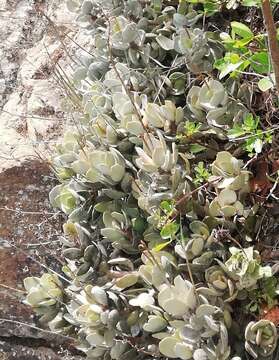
[
  {"x": 195, "y": 246},
  {"x": 147, "y": 268},
  {"x": 211, "y": 103},
  {"x": 226, "y": 204},
  {"x": 156, "y": 266},
  {"x": 45, "y": 295},
  {"x": 217, "y": 279},
  {"x": 244, "y": 266},
  {"x": 193, "y": 339},
  {"x": 261, "y": 338},
  {"x": 127, "y": 114},
  {"x": 199, "y": 54},
  {"x": 104, "y": 127},
  {"x": 118, "y": 230},
  {"x": 155, "y": 154},
  {"x": 166, "y": 116},
  {"x": 177, "y": 299},
  {"x": 125, "y": 33},
  {"x": 230, "y": 169}
]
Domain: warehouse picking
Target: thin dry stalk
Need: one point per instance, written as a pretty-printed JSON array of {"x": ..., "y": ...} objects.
[{"x": 272, "y": 38}]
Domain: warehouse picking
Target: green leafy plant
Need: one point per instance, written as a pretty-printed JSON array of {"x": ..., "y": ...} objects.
[
  {"x": 201, "y": 173},
  {"x": 245, "y": 51},
  {"x": 254, "y": 137}
]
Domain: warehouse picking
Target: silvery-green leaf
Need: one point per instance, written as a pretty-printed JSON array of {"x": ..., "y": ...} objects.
[
  {"x": 129, "y": 33},
  {"x": 31, "y": 282},
  {"x": 99, "y": 295},
  {"x": 197, "y": 246},
  {"x": 211, "y": 323},
  {"x": 200, "y": 354},
  {"x": 155, "y": 324},
  {"x": 87, "y": 7},
  {"x": 127, "y": 280},
  {"x": 190, "y": 334},
  {"x": 143, "y": 300},
  {"x": 227, "y": 197},
  {"x": 165, "y": 43},
  {"x": 228, "y": 210},
  {"x": 205, "y": 309},
  {"x": 183, "y": 351},
  {"x": 179, "y": 20},
  {"x": 95, "y": 339},
  {"x": 113, "y": 234},
  {"x": 198, "y": 227},
  {"x": 167, "y": 347}
]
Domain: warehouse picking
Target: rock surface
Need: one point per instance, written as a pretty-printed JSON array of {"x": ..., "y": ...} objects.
[
  {"x": 30, "y": 98},
  {"x": 31, "y": 121},
  {"x": 29, "y": 231}
]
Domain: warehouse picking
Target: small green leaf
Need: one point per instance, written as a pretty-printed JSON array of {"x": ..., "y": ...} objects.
[
  {"x": 167, "y": 206},
  {"x": 265, "y": 84},
  {"x": 260, "y": 62},
  {"x": 251, "y": 3},
  {"x": 228, "y": 68},
  {"x": 139, "y": 224},
  {"x": 196, "y": 148},
  {"x": 241, "y": 30},
  {"x": 161, "y": 246},
  {"x": 236, "y": 132},
  {"x": 169, "y": 230}
]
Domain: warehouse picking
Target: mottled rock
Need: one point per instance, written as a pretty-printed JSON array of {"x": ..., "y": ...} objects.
[
  {"x": 29, "y": 233},
  {"x": 31, "y": 119}
]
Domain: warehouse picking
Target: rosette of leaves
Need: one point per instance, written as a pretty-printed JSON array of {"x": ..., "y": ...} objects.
[
  {"x": 105, "y": 129},
  {"x": 155, "y": 154},
  {"x": 96, "y": 99},
  {"x": 198, "y": 241},
  {"x": 261, "y": 338},
  {"x": 101, "y": 166},
  {"x": 197, "y": 50},
  {"x": 118, "y": 230},
  {"x": 160, "y": 176},
  {"x": 166, "y": 116},
  {"x": 66, "y": 153},
  {"x": 93, "y": 67},
  {"x": 44, "y": 295},
  {"x": 218, "y": 280},
  {"x": 226, "y": 205},
  {"x": 231, "y": 171},
  {"x": 210, "y": 102},
  {"x": 126, "y": 36},
  {"x": 150, "y": 189},
  {"x": 93, "y": 312},
  {"x": 177, "y": 299},
  {"x": 244, "y": 267},
  {"x": 192, "y": 336},
  {"x": 157, "y": 267},
  {"x": 66, "y": 197},
  {"x": 127, "y": 114}
]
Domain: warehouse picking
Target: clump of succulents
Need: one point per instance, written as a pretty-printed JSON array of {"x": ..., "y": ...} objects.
[
  {"x": 150, "y": 271},
  {"x": 211, "y": 103},
  {"x": 261, "y": 338}
]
